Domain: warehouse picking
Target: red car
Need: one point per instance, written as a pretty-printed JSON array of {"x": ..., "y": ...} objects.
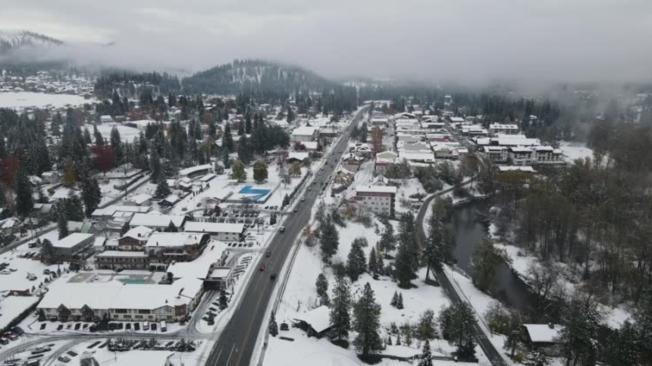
[{"x": 262, "y": 267}]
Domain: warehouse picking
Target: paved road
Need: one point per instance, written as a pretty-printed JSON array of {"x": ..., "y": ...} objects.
[
  {"x": 489, "y": 350},
  {"x": 236, "y": 344}
]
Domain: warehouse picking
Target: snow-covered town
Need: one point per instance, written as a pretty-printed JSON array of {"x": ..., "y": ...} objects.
[{"x": 160, "y": 208}]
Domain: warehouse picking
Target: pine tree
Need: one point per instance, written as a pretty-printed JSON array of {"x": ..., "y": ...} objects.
[
  {"x": 399, "y": 302},
  {"x": 367, "y": 322},
  {"x": 227, "y": 141},
  {"x": 457, "y": 324},
  {"x": 394, "y": 301},
  {"x": 322, "y": 289},
  {"x": 404, "y": 272},
  {"x": 244, "y": 150},
  {"x": 62, "y": 224},
  {"x": 426, "y": 354},
  {"x": 226, "y": 158},
  {"x": 47, "y": 251},
  {"x": 156, "y": 173},
  {"x": 162, "y": 189},
  {"x": 73, "y": 208},
  {"x": 24, "y": 199},
  {"x": 434, "y": 250},
  {"x": 116, "y": 145},
  {"x": 373, "y": 264},
  {"x": 407, "y": 236},
  {"x": 91, "y": 194},
  {"x": 387, "y": 240},
  {"x": 260, "y": 171},
  {"x": 329, "y": 240},
  {"x": 426, "y": 326},
  {"x": 340, "y": 307},
  {"x": 273, "y": 327},
  {"x": 356, "y": 263},
  {"x": 238, "y": 171}
]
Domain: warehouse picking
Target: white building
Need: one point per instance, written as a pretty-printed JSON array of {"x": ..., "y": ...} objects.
[
  {"x": 377, "y": 199},
  {"x": 305, "y": 133},
  {"x": 156, "y": 222},
  {"x": 503, "y": 128},
  {"x": 217, "y": 230}
]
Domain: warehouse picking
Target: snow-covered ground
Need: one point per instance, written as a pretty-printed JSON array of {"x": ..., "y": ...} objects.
[
  {"x": 575, "y": 150},
  {"x": 127, "y": 134},
  {"x": 31, "y": 99}
]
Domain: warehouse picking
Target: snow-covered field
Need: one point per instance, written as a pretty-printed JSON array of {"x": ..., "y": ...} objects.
[
  {"x": 575, "y": 150},
  {"x": 31, "y": 99},
  {"x": 127, "y": 134}
]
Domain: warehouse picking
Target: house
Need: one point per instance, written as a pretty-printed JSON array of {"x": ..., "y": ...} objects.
[
  {"x": 543, "y": 337},
  {"x": 315, "y": 322},
  {"x": 140, "y": 199},
  {"x": 196, "y": 171},
  {"x": 120, "y": 259},
  {"x": 383, "y": 160},
  {"x": 503, "y": 128},
  {"x": 156, "y": 222},
  {"x": 135, "y": 239},
  {"x": 304, "y": 133},
  {"x": 377, "y": 199},
  {"x": 72, "y": 246},
  {"x": 217, "y": 230},
  {"x": 168, "y": 247}
]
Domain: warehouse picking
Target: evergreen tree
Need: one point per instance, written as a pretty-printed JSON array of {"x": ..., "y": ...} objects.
[
  {"x": 426, "y": 326},
  {"x": 399, "y": 302},
  {"x": 328, "y": 240},
  {"x": 91, "y": 194},
  {"x": 434, "y": 252},
  {"x": 73, "y": 208},
  {"x": 162, "y": 189},
  {"x": 87, "y": 136},
  {"x": 116, "y": 145},
  {"x": 226, "y": 159},
  {"x": 426, "y": 355},
  {"x": 155, "y": 170},
  {"x": 172, "y": 228},
  {"x": 407, "y": 236},
  {"x": 578, "y": 337},
  {"x": 373, "y": 264},
  {"x": 394, "y": 301},
  {"x": 486, "y": 260},
  {"x": 387, "y": 240},
  {"x": 238, "y": 171},
  {"x": 47, "y": 251},
  {"x": 227, "y": 140},
  {"x": 241, "y": 129},
  {"x": 62, "y": 224},
  {"x": 341, "y": 305},
  {"x": 404, "y": 271},
  {"x": 623, "y": 346},
  {"x": 367, "y": 322},
  {"x": 244, "y": 150},
  {"x": 457, "y": 325},
  {"x": 248, "y": 122},
  {"x": 356, "y": 263},
  {"x": 260, "y": 171},
  {"x": 273, "y": 327},
  {"x": 24, "y": 199},
  {"x": 322, "y": 289}
]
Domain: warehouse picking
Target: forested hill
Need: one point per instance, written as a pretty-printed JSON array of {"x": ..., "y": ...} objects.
[{"x": 256, "y": 77}]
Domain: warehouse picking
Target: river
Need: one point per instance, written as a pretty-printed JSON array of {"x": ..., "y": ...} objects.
[{"x": 469, "y": 234}]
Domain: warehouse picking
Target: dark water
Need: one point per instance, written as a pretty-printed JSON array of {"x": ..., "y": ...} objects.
[{"x": 469, "y": 233}]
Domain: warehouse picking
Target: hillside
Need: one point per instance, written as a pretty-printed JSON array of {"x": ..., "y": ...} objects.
[
  {"x": 255, "y": 77},
  {"x": 11, "y": 41}
]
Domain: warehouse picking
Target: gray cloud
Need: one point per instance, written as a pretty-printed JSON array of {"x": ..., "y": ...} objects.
[{"x": 461, "y": 40}]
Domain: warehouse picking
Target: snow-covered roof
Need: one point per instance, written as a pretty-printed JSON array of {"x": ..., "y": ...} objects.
[
  {"x": 153, "y": 220},
  {"x": 543, "y": 333},
  {"x": 121, "y": 253},
  {"x": 160, "y": 239},
  {"x": 194, "y": 169},
  {"x": 318, "y": 318},
  {"x": 376, "y": 189},
  {"x": 516, "y": 168},
  {"x": 305, "y": 131},
  {"x": 71, "y": 240},
  {"x": 139, "y": 199},
  {"x": 298, "y": 155},
  {"x": 13, "y": 306},
  {"x": 139, "y": 233},
  {"x": 213, "y": 227}
]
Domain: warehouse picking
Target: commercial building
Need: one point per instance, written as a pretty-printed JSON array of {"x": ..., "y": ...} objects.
[
  {"x": 72, "y": 246},
  {"x": 217, "y": 230},
  {"x": 377, "y": 199}
]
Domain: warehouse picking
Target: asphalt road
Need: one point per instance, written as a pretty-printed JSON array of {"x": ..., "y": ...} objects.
[
  {"x": 489, "y": 349},
  {"x": 237, "y": 341}
]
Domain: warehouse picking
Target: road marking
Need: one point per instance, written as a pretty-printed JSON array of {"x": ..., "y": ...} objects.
[
  {"x": 218, "y": 354},
  {"x": 228, "y": 360}
]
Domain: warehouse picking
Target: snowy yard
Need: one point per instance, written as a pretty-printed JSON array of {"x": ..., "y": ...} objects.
[{"x": 39, "y": 100}]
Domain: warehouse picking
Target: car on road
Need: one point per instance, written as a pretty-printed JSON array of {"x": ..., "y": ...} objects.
[
  {"x": 268, "y": 253},
  {"x": 272, "y": 276},
  {"x": 295, "y": 210},
  {"x": 262, "y": 267},
  {"x": 303, "y": 199},
  {"x": 281, "y": 229}
]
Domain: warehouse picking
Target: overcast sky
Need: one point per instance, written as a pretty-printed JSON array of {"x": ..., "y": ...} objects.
[{"x": 467, "y": 40}]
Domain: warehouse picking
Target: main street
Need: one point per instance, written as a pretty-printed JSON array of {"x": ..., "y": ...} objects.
[{"x": 237, "y": 341}]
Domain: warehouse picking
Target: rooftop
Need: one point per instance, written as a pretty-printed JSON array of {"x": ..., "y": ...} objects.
[{"x": 71, "y": 240}]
